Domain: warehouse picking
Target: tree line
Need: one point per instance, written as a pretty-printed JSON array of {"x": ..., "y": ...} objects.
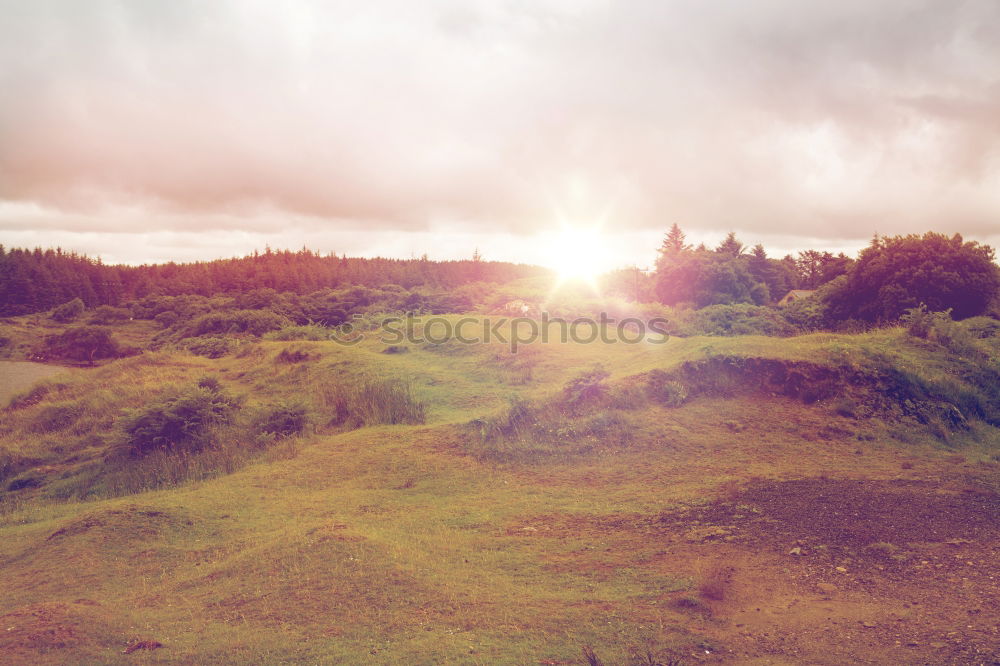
[
  {"x": 889, "y": 277},
  {"x": 733, "y": 273},
  {"x": 39, "y": 280}
]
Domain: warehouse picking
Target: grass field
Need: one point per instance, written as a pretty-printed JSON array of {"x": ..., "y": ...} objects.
[{"x": 824, "y": 499}]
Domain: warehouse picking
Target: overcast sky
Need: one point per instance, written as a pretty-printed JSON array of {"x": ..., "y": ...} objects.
[{"x": 159, "y": 130}]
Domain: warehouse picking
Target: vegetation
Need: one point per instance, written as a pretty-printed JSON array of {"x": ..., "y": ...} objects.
[
  {"x": 895, "y": 274},
  {"x": 80, "y": 343},
  {"x": 37, "y": 280},
  {"x": 181, "y": 422},
  {"x": 280, "y": 497},
  {"x": 68, "y": 311}
]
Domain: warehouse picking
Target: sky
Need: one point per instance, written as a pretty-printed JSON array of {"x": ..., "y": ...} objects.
[{"x": 150, "y": 131}]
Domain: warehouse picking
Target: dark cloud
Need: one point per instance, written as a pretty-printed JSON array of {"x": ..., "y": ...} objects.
[{"x": 782, "y": 120}]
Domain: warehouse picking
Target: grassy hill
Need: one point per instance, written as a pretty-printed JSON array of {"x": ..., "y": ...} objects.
[{"x": 820, "y": 499}]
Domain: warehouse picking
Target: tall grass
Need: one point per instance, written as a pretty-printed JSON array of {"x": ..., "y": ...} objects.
[{"x": 368, "y": 400}]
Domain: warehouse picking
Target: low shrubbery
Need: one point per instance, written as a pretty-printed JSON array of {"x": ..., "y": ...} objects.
[
  {"x": 280, "y": 420},
  {"x": 68, "y": 311},
  {"x": 739, "y": 319},
  {"x": 230, "y": 322},
  {"x": 184, "y": 421},
  {"x": 664, "y": 388},
  {"x": 586, "y": 416},
  {"x": 525, "y": 433},
  {"x": 81, "y": 343},
  {"x": 210, "y": 346}
]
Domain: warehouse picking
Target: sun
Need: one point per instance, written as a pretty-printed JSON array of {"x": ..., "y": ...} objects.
[{"x": 577, "y": 254}]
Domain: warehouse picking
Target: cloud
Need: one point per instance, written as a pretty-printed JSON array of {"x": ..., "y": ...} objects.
[{"x": 783, "y": 120}]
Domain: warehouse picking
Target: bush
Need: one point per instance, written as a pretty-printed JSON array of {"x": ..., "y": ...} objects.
[
  {"x": 68, "y": 311},
  {"x": 939, "y": 327},
  {"x": 250, "y": 322},
  {"x": 81, "y": 343},
  {"x": 806, "y": 314},
  {"x": 510, "y": 423},
  {"x": 210, "y": 347},
  {"x": 740, "y": 319},
  {"x": 167, "y": 318},
  {"x": 210, "y": 382},
  {"x": 281, "y": 420},
  {"x": 919, "y": 322},
  {"x": 183, "y": 421},
  {"x": 663, "y": 388}
]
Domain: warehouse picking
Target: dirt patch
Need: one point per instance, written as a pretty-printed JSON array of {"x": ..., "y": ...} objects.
[
  {"x": 903, "y": 570},
  {"x": 855, "y": 513},
  {"x": 815, "y": 570}
]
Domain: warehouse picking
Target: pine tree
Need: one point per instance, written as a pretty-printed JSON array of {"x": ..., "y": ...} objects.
[
  {"x": 730, "y": 245},
  {"x": 673, "y": 242}
]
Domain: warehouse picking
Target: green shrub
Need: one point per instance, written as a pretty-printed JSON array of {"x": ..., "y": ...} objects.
[
  {"x": 806, "y": 314},
  {"x": 210, "y": 347},
  {"x": 167, "y": 318},
  {"x": 81, "y": 343},
  {"x": 515, "y": 419},
  {"x": 12, "y": 464},
  {"x": 32, "y": 396},
  {"x": 919, "y": 322},
  {"x": 281, "y": 420},
  {"x": 524, "y": 433},
  {"x": 663, "y": 388},
  {"x": 250, "y": 322},
  {"x": 182, "y": 421},
  {"x": 68, "y": 311},
  {"x": 738, "y": 319},
  {"x": 210, "y": 382}
]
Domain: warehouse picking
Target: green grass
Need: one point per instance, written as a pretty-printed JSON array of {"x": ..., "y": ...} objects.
[{"x": 447, "y": 505}]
